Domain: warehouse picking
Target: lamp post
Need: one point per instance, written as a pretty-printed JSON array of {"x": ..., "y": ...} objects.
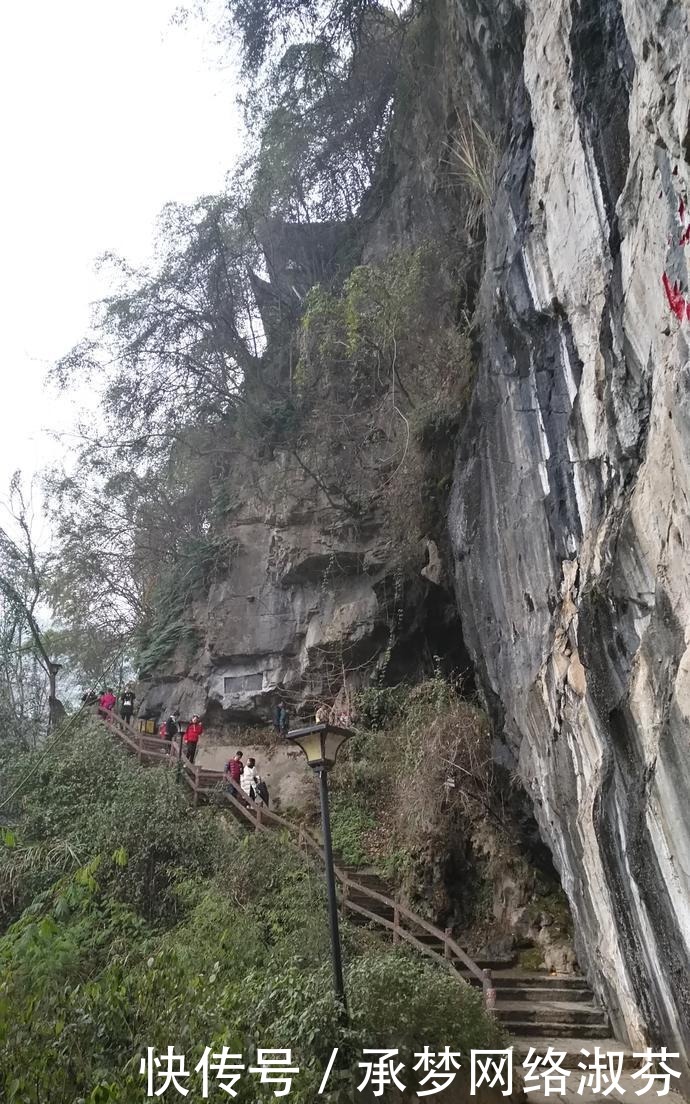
[
  {"x": 53, "y": 669},
  {"x": 179, "y": 752},
  {"x": 321, "y": 744}
]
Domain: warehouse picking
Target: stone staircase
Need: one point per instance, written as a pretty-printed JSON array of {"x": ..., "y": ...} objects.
[
  {"x": 537, "y": 1009},
  {"x": 548, "y": 1006}
]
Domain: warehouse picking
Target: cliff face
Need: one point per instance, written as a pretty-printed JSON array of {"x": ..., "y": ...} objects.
[
  {"x": 311, "y": 607},
  {"x": 569, "y": 519}
]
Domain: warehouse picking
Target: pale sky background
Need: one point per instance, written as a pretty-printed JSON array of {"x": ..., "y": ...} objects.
[{"x": 108, "y": 111}]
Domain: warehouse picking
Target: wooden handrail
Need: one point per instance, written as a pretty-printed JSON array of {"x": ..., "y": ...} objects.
[{"x": 204, "y": 782}]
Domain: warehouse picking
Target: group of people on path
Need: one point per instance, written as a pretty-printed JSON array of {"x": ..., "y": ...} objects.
[
  {"x": 239, "y": 776},
  {"x": 107, "y": 702},
  {"x": 245, "y": 777},
  {"x": 190, "y": 736}
]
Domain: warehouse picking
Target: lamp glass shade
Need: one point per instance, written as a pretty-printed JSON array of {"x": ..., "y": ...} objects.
[
  {"x": 331, "y": 742},
  {"x": 310, "y": 744},
  {"x": 320, "y": 744}
]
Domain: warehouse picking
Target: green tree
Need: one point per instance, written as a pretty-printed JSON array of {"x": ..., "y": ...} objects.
[{"x": 28, "y": 679}]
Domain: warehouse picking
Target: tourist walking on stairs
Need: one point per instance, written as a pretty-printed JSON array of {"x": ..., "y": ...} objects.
[
  {"x": 250, "y": 779},
  {"x": 191, "y": 737},
  {"x": 234, "y": 771},
  {"x": 106, "y": 704},
  {"x": 171, "y": 726},
  {"x": 127, "y": 705}
]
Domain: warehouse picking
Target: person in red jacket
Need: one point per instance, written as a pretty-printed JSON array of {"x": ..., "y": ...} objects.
[
  {"x": 234, "y": 771},
  {"x": 106, "y": 704},
  {"x": 191, "y": 737}
]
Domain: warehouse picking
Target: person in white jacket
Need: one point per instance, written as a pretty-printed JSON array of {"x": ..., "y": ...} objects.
[{"x": 250, "y": 778}]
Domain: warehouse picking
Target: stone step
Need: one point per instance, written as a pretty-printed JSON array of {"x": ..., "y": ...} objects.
[
  {"x": 572, "y": 1048},
  {"x": 493, "y": 964},
  {"x": 534, "y": 994},
  {"x": 550, "y": 1012},
  {"x": 373, "y": 880},
  {"x": 509, "y": 979},
  {"x": 372, "y": 906},
  {"x": 525, "y": 1028}
]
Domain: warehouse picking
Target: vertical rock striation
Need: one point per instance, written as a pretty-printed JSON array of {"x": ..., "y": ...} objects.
[{"x": 570, "y": 520}]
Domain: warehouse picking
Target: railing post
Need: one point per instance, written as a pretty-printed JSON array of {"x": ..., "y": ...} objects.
[
  {"x": 396, "y": 921},
  {"x": 140, "y": 749},
  {"x": 257, "y": 814},
  {"x": 488, "y": 990},
  {"x": 448, "y": 933},
  {"x": 196, "y": 786},
  {"x": 343, "y": 893}
]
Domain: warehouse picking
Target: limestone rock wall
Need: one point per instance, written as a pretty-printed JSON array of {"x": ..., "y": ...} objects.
[
  {"x": 311, "y": 603},
  {"x": 570, "y": 520}
]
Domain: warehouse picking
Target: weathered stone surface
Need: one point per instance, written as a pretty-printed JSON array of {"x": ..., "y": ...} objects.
[
  {"x": 310, "y": 602},
  {"x": 570, "y": 521}
]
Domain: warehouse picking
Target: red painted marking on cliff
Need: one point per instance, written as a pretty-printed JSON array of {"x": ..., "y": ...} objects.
[{"x": 676, "y": 300}]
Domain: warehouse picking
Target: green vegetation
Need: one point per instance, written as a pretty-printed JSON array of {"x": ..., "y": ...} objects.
[
  {"x": 132, "y": 920},
  {"x": 351, "y": 823},
  {"x": 420, "y": 799},
  {"x": 531, "y": 959},
  {"x": 196, "y": 564},
  {"x": 383, "y": 372},
  {"x": 412, "y": 743}
]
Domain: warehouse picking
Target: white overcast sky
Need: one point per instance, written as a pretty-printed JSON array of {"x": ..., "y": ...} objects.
[{"x": 108, "y": 111}]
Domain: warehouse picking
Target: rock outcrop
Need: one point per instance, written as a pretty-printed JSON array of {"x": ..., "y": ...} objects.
[
  {"x": 310, "y": 609},
  {"x": 569, "y": 521}
]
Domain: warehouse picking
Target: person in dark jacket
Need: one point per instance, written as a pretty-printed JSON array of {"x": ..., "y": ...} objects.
[
  {"x": 172, "y": 726},
  {"x": 127, "y": 705},
  {"x": 281, "y": 719}
]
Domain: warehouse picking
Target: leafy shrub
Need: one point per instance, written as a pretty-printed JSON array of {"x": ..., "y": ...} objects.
[
  {"x": 89, "y": 799},
  {"x": 418, "y": 772},
  {"x": 401, "y": 1001},
  {"x": 379, "y": 706},
  {"x": 350, "y": 823}
]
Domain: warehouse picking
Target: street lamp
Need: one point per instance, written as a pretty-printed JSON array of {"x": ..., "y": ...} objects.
[{"x": 321, "y": 744}]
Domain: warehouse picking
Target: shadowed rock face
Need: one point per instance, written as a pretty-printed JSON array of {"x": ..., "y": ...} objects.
[
  {"x": 304, "y": 597},
  {"x": 311, "y": 601},
  {"x": 570, "y": 520}
]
